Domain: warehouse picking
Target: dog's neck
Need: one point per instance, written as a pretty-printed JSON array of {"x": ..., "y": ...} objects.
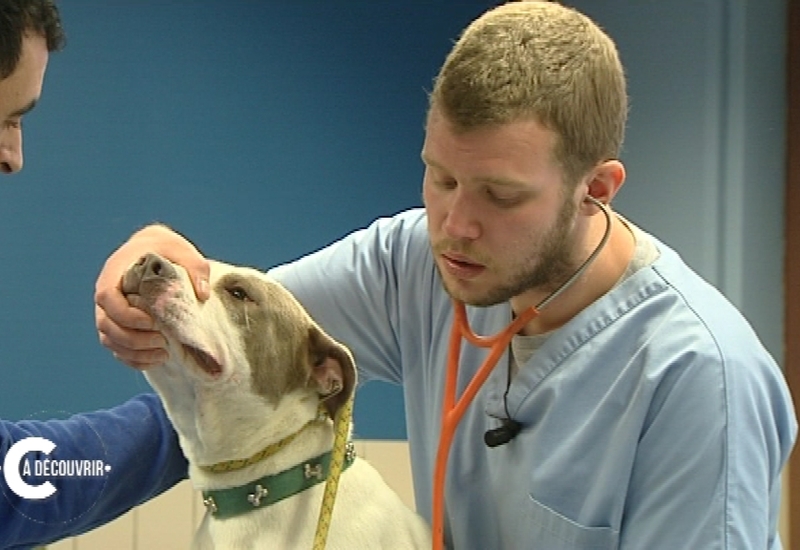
[
  {"x": 221, "y": 423},
  {"x": 300, "y": 436},
  {"x": 267, "y": 452}
]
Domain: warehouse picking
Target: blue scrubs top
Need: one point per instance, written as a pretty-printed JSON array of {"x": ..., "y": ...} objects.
[{"x": 653, "y": 419}]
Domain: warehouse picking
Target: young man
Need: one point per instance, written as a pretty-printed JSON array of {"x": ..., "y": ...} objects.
[
  {"x": 29, "y": 30},
  {"x": 648, "y": 413}
]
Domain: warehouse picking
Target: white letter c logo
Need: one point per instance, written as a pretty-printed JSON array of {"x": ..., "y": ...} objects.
[{"x": 11, "y": 468}]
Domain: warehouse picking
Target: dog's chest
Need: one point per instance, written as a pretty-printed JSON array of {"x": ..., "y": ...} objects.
[{"x": 290, "y": 523}]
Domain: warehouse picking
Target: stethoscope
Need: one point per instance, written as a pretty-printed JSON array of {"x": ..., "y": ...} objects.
[{"x": 452, "y": 410}]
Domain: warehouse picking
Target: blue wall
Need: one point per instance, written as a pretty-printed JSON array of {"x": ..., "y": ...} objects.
[{"x": 264, "y": 130}]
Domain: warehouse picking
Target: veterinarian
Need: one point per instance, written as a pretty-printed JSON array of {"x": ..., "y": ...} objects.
[
  {"x": 637, "y": 410},
  {"x": 29, "y": 30}
]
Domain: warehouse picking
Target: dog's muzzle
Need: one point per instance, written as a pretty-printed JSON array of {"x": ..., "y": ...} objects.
[
  {"x": 142, "y": 283},
  {"x": 150, "y": 268}
]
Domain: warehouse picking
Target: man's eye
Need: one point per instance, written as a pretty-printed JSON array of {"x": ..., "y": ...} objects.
[
  {"x": 239, "y": 293},
  {"x": 502, "y": 199}
]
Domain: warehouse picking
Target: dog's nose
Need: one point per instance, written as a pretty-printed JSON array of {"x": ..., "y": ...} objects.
[
  {"x": 150, "y": 267},
  {"x": 154, "y": 266}
]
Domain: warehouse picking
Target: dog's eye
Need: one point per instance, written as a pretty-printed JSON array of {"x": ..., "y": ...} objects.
[{"x": 239, "y": 293}]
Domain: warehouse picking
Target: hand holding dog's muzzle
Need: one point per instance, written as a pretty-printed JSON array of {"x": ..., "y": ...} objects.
[{"x": 125, "y": 329}]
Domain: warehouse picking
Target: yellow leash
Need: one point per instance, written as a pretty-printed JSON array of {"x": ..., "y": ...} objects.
[{"x": 341, "y": 425}]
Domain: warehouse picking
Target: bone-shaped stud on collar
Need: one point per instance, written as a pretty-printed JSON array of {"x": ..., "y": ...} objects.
[
  {"x": 312, "y": 471},
  {"x": 210, "y": 504},
  {"x": 255, "y": 497}
]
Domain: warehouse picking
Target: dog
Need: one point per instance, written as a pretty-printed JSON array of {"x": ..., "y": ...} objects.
[{"x": 251, "y": 386}]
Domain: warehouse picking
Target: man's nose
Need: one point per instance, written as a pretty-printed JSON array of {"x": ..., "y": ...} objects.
[
  {"x": 461, "y": 221},
  {"x": 10, "y": 150}
]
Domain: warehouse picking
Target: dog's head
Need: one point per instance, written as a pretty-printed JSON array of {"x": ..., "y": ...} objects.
[{"x": 251, "y": 331}]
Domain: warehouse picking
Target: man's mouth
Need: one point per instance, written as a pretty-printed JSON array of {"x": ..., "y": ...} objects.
[{"x": 461, "y": 267}]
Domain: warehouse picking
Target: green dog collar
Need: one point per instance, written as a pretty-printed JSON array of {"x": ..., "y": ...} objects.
[{"x": 234, "y": 501}]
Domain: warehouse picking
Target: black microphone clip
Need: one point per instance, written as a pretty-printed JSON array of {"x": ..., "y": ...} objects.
[{"x": 502, "y": 435}]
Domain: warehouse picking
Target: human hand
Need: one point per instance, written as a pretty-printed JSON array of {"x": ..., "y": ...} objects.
[{"x": 127, "y": 331}]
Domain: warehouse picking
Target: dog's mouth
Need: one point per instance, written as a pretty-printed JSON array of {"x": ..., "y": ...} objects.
[
  {"x": 203, "y": 360},
  {"x": 151, "y": 285}
]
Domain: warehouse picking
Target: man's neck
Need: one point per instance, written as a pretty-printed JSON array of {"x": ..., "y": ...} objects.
[{"x": 599, "y": 277}]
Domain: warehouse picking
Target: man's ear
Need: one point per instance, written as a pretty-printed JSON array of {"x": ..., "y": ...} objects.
[
  {"x": 333, "y": 371},
  {"x": 603, "y": 182}
]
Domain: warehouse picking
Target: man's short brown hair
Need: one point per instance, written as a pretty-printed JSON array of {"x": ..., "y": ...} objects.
[{"x": 541, "y": 61}]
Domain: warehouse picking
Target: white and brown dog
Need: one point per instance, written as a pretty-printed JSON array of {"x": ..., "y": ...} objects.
[{"x": 248, "y": 375}]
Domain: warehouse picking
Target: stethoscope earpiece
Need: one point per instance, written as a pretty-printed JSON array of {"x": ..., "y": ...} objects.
[{"x": 597, "y": 202}]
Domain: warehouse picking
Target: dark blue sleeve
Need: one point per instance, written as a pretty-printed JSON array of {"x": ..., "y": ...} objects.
[{"x": 104, "y": 463}]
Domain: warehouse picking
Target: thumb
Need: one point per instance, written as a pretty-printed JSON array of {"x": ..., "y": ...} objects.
[{"x": 200, "y": 276}]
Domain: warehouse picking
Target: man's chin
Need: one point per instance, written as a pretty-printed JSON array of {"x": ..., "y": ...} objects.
[
  {"x": 472, "y": 296},
  {"x": 471, "y": 292}
]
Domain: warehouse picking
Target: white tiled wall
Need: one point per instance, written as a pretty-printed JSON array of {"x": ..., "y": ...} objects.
[{"x": 167, "y": 522}]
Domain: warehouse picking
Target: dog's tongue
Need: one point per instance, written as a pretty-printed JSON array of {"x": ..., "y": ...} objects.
[{"x": 204, "y": 360}]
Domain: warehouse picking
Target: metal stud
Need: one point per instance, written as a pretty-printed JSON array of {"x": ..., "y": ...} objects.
[
  {"x": 209, "y": 503},
  {"x": 312, "y": 471},
  {"x": 255, "y": 497}
]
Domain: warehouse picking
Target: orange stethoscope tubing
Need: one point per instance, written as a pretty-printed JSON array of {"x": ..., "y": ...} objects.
[{"x": 452, "y": 410}]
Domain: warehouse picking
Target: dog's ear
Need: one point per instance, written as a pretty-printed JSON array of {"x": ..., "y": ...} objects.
[{"x": 333, "y": 371}]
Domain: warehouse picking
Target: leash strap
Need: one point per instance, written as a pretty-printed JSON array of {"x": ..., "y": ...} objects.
[{"x": 338, "y": 456}]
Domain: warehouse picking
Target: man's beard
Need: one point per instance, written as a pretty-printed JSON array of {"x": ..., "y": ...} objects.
[{"x": 545, "y": 269}]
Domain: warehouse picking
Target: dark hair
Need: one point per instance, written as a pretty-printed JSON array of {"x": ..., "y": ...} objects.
[{"x": 19, "y": 17}]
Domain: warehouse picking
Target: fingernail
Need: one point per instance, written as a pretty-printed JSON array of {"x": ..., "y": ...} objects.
[{"x": 203, "y": 286}]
